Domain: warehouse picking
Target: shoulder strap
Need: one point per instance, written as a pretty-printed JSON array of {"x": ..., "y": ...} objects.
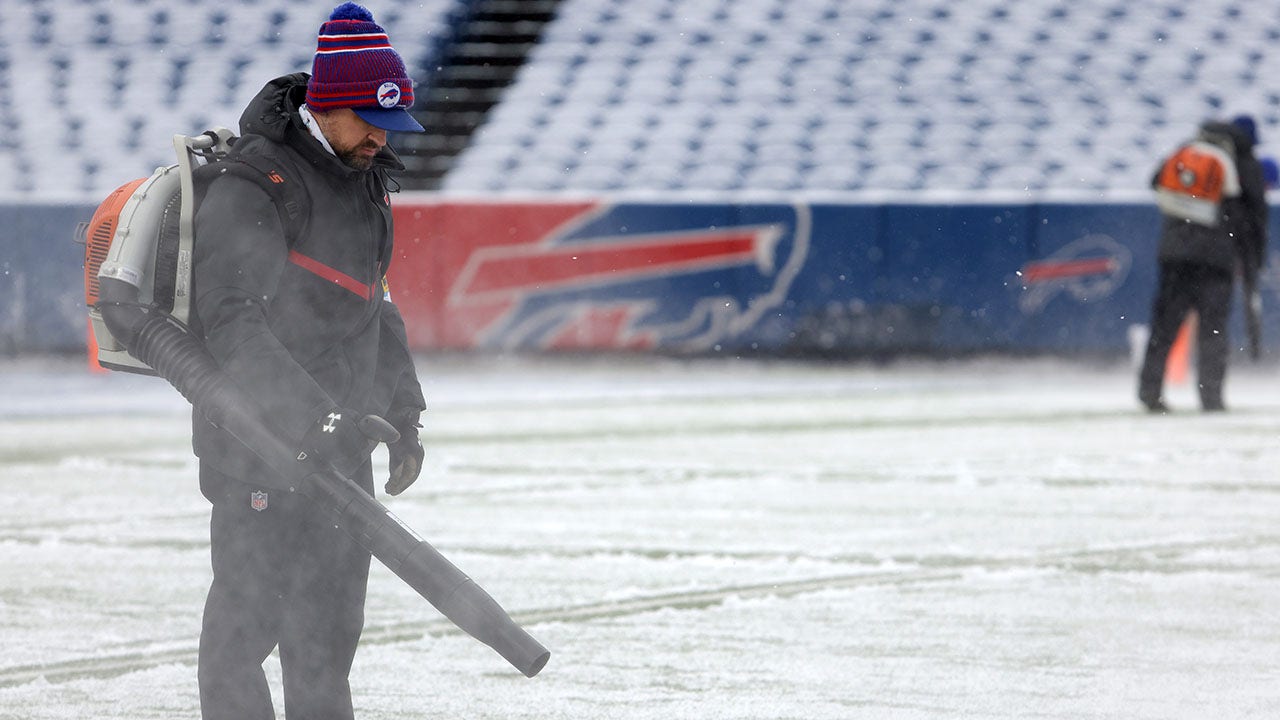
[{"x": 288, "y": 195}]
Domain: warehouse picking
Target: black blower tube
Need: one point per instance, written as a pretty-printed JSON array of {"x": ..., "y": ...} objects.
[{"x": 163, "y": 343}]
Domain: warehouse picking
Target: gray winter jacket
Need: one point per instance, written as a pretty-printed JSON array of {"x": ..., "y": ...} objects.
[{"x": 298, "y": 317}]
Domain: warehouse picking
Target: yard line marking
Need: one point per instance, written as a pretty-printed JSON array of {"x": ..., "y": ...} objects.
[{"x": 1084, "y": 559}]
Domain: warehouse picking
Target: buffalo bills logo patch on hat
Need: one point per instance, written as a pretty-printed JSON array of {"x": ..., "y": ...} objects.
[{"x": 388, "y": 95}]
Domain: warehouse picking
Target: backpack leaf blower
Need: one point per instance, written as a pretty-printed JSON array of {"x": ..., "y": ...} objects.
[{"x": 137, "y": 285}]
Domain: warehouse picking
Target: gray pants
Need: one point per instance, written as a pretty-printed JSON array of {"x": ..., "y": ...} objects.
[
  {"x": 282, "y": 575},
  {"x": 1184, "y": 287}
]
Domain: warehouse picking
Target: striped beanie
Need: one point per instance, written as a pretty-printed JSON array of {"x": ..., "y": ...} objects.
[{"x": 356, "y": 67}]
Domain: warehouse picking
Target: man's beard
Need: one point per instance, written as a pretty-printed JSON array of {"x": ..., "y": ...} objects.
[{"x": 355, "y": 160}]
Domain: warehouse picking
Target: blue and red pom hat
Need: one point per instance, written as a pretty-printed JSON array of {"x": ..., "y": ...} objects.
[{"x": 356, "y": 67}]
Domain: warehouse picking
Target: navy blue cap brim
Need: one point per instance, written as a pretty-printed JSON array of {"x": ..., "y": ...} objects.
[{"x": 394, "y": 119}]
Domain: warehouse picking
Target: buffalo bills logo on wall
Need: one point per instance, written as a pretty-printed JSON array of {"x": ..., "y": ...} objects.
[
  {"x": 623, "y": 277},
  {"x": 1088, "y": 269}
]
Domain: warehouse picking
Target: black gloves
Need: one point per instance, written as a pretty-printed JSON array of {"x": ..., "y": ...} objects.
[
  {"x": 405, "y": 454},
  {"x": 346, "y": 439}
]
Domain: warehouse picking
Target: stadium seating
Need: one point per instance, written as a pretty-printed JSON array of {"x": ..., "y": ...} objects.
[
  {"x": 95, "y": 90},
  {"x": 1040, "y": 97},
  {"x": 916, "y": 97}
]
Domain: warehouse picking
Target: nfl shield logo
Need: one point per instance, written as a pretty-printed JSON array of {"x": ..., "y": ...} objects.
[{"x": 258, "y": 501}]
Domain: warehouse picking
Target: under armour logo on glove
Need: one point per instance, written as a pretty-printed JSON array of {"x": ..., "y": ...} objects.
[{"x": 345, "y": 439}]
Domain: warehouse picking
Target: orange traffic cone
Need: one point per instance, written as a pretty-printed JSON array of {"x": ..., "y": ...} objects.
[{"x": 1179, "y": 361}]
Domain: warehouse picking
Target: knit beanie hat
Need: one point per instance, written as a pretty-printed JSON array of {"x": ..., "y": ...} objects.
[
  {"x": 1247, "y": 126},
  {"x": 355, "y": 67}
]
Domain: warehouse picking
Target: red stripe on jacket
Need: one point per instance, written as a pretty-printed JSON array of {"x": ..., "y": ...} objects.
[{"x": 341, "y": 279}]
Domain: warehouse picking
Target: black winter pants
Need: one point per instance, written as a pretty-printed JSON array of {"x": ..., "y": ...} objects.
[
  {"x": 282, "y": 575},
  {"x": 1184, "y": 287}
]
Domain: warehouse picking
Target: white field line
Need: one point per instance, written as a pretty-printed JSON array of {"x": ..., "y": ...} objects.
[{"x": 1122, "y": 558}]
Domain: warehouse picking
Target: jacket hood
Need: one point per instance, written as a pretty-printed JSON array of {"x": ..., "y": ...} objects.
[
  {"x": 1240, "y": 140},
  {"x": 270, "y": 112},
  {"x": 273, "y": 114}
]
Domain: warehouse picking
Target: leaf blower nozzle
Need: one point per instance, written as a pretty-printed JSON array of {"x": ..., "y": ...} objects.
[{"x": 165, "y": 345}]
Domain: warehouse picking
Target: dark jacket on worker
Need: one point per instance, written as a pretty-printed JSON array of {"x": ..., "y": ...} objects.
[
  {"x": 291, "y": 301},
  {"x": 1241, "y": 235}
]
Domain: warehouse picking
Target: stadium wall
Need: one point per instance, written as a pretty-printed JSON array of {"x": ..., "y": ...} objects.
[
  {"x": 832, "y": 279},
  {"x": 41, "y": 279}
]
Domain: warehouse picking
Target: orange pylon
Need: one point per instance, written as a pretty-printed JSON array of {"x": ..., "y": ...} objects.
[{"x": 1179, "y": 361}]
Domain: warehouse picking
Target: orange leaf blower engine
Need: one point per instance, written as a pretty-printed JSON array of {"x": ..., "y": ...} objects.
[{"x": 141, "y": 235}]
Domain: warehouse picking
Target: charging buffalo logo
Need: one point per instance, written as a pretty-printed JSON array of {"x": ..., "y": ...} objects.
[
  {"x": 1088, "y": 269},
  {"x": 631, "y": 277},
  {"x": 388, "y": 94}
]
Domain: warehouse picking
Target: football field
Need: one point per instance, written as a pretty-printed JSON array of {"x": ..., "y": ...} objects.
[{"x": 701, "y": 539}]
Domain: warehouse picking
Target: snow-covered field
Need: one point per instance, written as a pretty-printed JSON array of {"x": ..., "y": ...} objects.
[{"x": 986, "y": 539}]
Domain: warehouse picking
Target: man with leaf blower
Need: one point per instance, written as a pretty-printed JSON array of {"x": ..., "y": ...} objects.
[
  {"x": 1212, "y": 196},
  {"x": 293, "y": 242}
]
